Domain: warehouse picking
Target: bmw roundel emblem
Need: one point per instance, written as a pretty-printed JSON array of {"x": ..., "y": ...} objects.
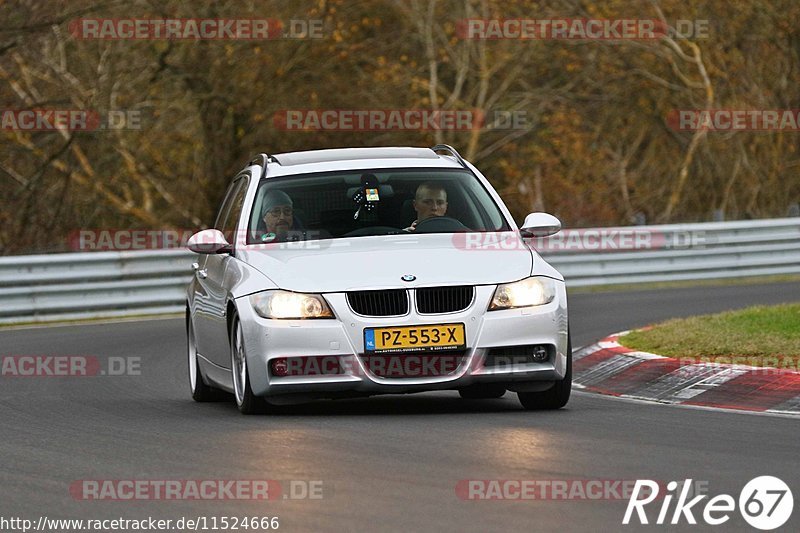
[{"x": 408, "y": 277}]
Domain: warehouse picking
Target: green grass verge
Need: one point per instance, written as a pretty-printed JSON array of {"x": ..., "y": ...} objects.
[{"x": 756, "y": 336}]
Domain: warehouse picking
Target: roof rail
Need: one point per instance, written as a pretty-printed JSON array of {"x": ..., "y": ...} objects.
[
  {"x": 453, "y": 152},
  {"x": 262, "y": 160}
]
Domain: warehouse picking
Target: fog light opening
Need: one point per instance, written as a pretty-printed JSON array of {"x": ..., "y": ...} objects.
[
  {"x": 540, "y": 353},
  {"x": 306, "y": 365},
  {"x": 510, "y": 356},
  {"x": 280, "y": 367}
]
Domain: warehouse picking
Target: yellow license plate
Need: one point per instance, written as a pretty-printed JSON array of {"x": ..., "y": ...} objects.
[{"x": 430, "y": 337}]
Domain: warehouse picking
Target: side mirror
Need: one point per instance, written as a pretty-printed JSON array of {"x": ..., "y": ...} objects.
[
  {"x": 540, "y": 225},
  {"x": 209, "y": 241}
]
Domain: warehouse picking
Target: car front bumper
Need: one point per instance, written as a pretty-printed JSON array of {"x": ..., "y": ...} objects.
[{"x": 343, "y": 338}]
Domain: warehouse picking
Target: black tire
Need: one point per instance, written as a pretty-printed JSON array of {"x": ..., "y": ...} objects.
[
  {"x": 247, "y": 402},
  {"x": 482, "y": 391},
  {"x": 201, "y": 392},
  {"x": 556, "y": 396}
]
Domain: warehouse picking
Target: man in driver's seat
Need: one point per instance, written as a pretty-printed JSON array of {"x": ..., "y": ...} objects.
[
  {"x": 430, "y": 201},
  {"x": 278, "y": 217}
]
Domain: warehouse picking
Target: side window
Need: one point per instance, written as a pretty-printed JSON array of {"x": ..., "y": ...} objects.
[
  {"x": 225, "y": 207},
  {"x": 231, "y": 209},
  {"x": 237, "y": 203}
]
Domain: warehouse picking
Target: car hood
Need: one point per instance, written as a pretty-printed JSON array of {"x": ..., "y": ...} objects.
[{"x": 380, "y": 262}]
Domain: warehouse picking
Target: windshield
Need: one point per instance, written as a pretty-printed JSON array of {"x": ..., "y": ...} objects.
[{"x": 376, "y": 202}]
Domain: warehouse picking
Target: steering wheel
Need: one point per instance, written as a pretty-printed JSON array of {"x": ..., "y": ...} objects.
[{"x": 439, "y": 225}]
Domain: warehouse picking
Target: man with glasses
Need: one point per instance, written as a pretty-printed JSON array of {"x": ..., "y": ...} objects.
[
  {"x": 278, "y": 216},
  {"x": 430, "y": 201}
]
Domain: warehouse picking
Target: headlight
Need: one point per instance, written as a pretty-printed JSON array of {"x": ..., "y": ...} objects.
[
  {"x": 284, "y": 304},
  {"x": 524, "y": 293}
]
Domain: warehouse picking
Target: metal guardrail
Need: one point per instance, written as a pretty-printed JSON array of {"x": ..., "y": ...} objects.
[
  {"x": 42, "y": 288},
  {"x": 715, "y": 250}
]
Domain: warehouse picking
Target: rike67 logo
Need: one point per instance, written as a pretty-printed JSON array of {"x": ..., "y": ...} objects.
[{"x": 765, "y": 503}]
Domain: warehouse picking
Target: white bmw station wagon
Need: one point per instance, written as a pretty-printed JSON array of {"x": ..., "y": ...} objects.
[{"x": 361, "y": 271}]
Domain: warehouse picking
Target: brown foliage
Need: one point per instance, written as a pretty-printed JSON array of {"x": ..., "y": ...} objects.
[{"x": 598, "y": 150}]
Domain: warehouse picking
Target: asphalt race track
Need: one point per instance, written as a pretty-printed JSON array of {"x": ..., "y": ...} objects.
[{"x": 386, "y": 463}]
